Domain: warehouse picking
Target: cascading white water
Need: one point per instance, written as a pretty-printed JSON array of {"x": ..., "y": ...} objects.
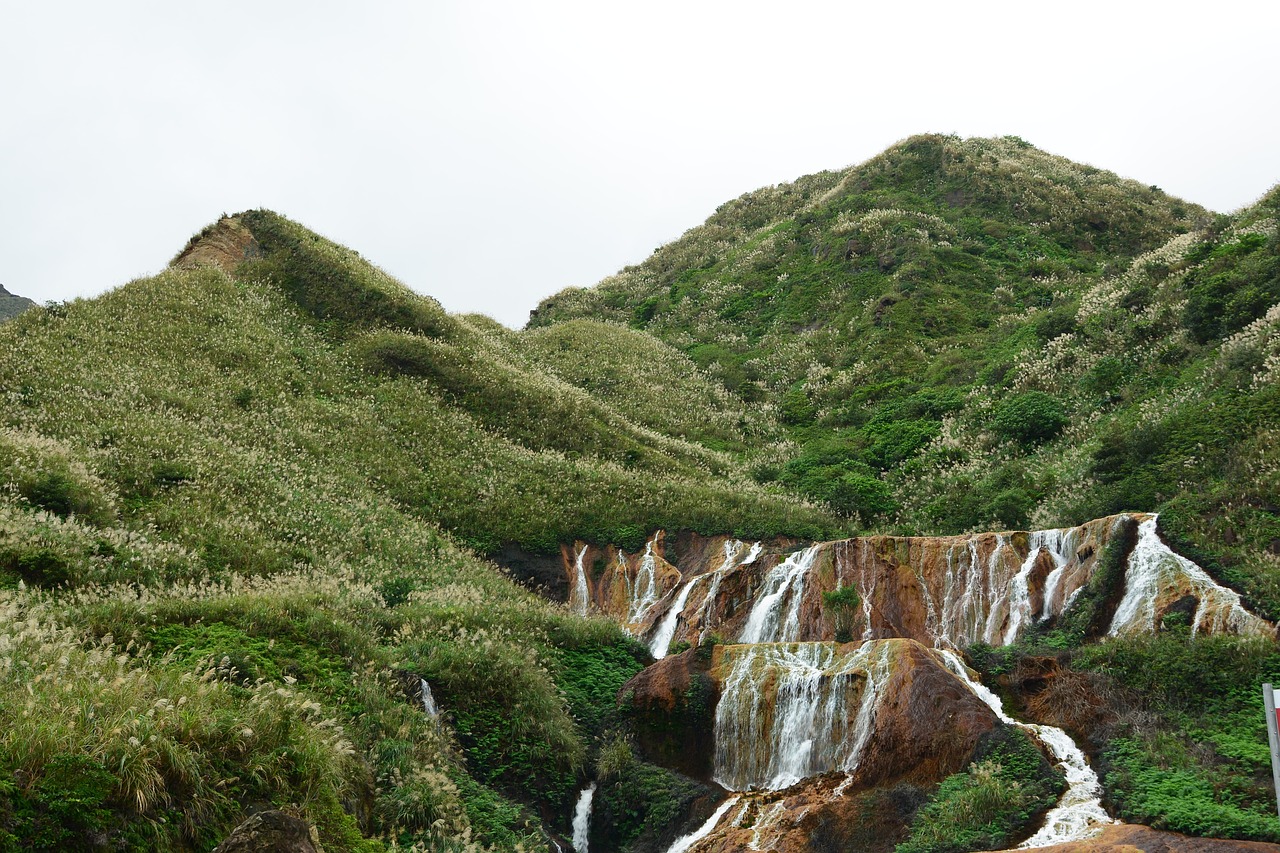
[
  {"x": 684, "y": 842},
  {"x": 1060, "y": 546},
  {"x": 1020, "y": 594},
  {"x": 643, "y": 593},
  {"x": 785, "y": 712},
  {"x": 666, "y": 630},
  {"x": 428, "y": 701},
  {"x": 789, "y": 710},
  {"x": 1153, "y": 566},
  {"x": 582, "y": 818},
  {"x": 581, "y": 595},
  {"x": 709, "y": 602},
  {"x": 667, "y": 627},
  {"x": 1079, "y": 814},
  {"x": 998, "y": 590},
  {"x": 784, "y": 583}
]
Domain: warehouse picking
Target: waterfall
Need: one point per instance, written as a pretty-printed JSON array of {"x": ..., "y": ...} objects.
[
  {"x": 999, "y": 590},
  {"x": 790, "y": 710},
  {"x": 785, "y": 582},
  {"x": 684, "y": 842},
  {"x": 1152, "y": 566},
  {"x": 1079, "y": 814},
  {"x": 1020, "y": 595},
  {"x": 644, "y": 592},
  {"x": 581, "y": 594},
  {"x": 582, "y": 818},
  {"x": 667, "y": 628},
  {"x": 731, "y": 562},
  {"x": 428, "y": 701},
  {"x": 1060, "y": 546},
  {"x": 786, "y": 712}
]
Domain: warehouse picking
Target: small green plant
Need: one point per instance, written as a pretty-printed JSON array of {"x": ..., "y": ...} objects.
[
  {"x": 991, "y": 804},
  {"x": 842, "y": 606}
]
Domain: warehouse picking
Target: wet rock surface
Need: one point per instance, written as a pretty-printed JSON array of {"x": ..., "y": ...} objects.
[{"x": 1132, "y": 838}]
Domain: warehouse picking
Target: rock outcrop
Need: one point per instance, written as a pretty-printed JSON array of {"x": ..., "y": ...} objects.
[
  {"x": 272, "y": 832},
  {"x": 1132, "y": 838},
  {"x": 949, "y": 591},
  {"x": 818, "y": 677},
  {"x": 223, "y": 244}
]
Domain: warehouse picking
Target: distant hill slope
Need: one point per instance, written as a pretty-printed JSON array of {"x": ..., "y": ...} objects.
[
  {"x": 966, "y": 334},
  {"x": 234, "y": 500},
  {"x": 12, "y": 305}
]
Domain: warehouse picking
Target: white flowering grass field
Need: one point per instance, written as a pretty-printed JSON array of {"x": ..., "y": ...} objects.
[{"x": 237, "y": 521}]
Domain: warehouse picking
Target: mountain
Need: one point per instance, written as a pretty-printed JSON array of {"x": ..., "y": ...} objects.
[
  {"x": 245, "y": 506},
  {"x": 12, "y": 305},
  {"x": 972, "y": 334},
  {"x": 285, "y": 544}
]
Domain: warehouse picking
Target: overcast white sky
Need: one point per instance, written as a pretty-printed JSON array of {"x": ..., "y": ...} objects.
[{"x": 492, "y": 153}]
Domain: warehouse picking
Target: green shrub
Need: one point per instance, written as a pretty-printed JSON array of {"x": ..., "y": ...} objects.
[
  {"x": 510, "y": 719},
  {"x": 842, "y": 605},
  {"x": 1030, "y": 418},
  {"x": 991, "y": 804},
  {"x": 1186, "y": 799},
  {"x": 641, "y": 800}
]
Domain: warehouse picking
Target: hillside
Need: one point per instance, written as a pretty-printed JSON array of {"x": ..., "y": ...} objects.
[
  {"x": 881, "y": 448},
  {"x": 11, "y": 305},
  {"x": 237, "y": 502},
  {"x": 968, "y": 334}
]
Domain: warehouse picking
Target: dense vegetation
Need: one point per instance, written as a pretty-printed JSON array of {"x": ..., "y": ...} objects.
[
  {"x": 973, "y": 334},
  {"x": 992, "y": 804},
  {"x": 232, "y": 505},
  {"x": 245, "y": 504}
]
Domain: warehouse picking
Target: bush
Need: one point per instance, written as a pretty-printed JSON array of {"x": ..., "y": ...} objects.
[
  {"x": 1029, "y": 418},
  {"x": 842, "y": 604}
]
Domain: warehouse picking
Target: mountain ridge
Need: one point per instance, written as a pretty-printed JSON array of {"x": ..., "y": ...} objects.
[{"x": 250, "y": 504}]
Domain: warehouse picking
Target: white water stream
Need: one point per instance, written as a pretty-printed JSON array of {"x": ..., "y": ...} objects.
[
  {"x": 1153, "y": 566},
  {"x": 666, "y": 630},
  {"x": 1079, "y": 814},
  {"x": 684, "y": 842},
  {"x": 1060, "y": 545},
  {"x": 784, "y": 583},
  {"x": 644, "y": 591},
  {"x": 581, "y": 595},
  {"x": 784, "y": 712},
  {"x": 428, "y": 701},
  {"x": 582, "y": 818}
]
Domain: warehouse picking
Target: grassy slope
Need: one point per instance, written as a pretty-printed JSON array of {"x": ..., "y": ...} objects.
[
  {"x": 231, "y": 507},
  {"x": 970, "y": 334}
]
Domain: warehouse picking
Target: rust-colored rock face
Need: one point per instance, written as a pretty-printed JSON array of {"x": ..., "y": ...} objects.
[
  {"x": 1132, "y": 838},
  {"x": 671, "y": 705},
  {"x": 833, "y": 678},
  {"x": 948, "y": 591},
  {"x": 799, "y": 726},
  {"x": 879, "y": 712}
]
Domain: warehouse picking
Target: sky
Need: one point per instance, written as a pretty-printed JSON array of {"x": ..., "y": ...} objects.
[{"x": 489, "y": 154}]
